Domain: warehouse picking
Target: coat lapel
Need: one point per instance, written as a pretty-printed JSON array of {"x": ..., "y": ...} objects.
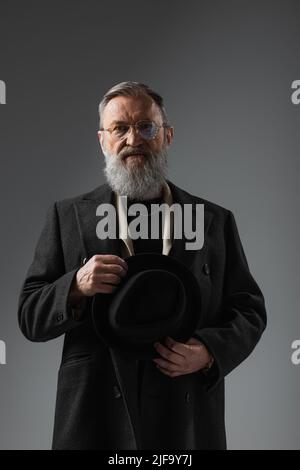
[
  {"x": 87, "y": 221},
  {"x": 178, "y": 249}
]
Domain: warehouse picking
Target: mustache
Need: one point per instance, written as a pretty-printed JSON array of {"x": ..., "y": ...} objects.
[{"x": 135, "y": 151}]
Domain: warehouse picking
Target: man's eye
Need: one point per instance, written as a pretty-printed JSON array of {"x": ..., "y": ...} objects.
[
  {"x": 145, "y": 126},
  {"x": 121, "y": 129}
]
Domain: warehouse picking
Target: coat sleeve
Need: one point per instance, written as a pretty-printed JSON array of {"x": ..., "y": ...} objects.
[
  {"x": 243, "y": 313},
  {"x": 43, "y": 310}
]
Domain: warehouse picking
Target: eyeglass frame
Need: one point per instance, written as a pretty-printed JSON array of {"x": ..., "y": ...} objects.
[{"x": 163, "y": 125}]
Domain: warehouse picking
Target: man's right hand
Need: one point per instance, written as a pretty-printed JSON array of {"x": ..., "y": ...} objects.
[{"x": 100, "y": 274}]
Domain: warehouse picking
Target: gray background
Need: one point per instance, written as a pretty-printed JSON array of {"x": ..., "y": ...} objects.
[{"x": 225, "y": 69}]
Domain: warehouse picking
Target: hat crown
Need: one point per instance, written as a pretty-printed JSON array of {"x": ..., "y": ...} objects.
[{"x": 151, "y": 305}]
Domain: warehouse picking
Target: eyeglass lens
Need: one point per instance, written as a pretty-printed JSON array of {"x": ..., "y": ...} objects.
[{"x": 146, "y": 129}]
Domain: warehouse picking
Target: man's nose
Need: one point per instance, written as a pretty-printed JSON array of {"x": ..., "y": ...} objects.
[{"x": 133, "y": 137}]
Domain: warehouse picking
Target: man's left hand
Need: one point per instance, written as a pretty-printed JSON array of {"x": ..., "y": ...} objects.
[{"x": 181, "y": 358}]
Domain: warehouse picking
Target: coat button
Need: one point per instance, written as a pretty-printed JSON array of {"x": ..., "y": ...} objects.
[
  {"x": 84, "y": 261},
  {"x": 206, "y": 269},
  {"x": 59, "y": 318},
  {"x": 117, "y": 393},
  {"x": 187, "y": 397}
]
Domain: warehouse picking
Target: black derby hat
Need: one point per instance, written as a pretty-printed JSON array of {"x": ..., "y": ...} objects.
[{"x": 159, "y": 297}]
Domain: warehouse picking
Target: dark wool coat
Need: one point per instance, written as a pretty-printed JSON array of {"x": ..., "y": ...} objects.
[{"x": 97, "y": 402}]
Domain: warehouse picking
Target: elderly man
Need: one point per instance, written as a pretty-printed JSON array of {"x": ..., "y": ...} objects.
[{"x": 105, "y": 399}]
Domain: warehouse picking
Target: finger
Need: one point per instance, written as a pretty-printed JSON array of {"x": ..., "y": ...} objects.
[
  {"x": 112, "y": 259},
  {"x": 96, "y": 280},
  {"x": 167, "y": 372},
  {"x": 111, "y": 268},
  {"x": 108, "y": 279},
  {"x": 194, "y": 341},
  {"x": 179, "y": 348},
  {"x": 168, "y": 355},
  {"x": 170, "y": 366},
  {"x": 173, "y": 347}
]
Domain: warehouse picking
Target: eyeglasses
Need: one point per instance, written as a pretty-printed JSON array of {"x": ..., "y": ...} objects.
[{"x": 148, "y": 130}]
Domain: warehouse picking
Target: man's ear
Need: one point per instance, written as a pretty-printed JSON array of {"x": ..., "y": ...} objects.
[
  {"x": 100, "y": 138},
  {"x": 169, "y": 134}
]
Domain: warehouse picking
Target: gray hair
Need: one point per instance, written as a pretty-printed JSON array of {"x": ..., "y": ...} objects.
[{"x": 135, "y": 89}]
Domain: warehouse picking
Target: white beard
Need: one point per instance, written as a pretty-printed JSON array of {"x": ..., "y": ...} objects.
[{"x": 142, "y": 181}]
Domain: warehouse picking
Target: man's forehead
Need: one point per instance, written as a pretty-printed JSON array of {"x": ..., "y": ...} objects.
[{"x": 123, "y": 108}]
